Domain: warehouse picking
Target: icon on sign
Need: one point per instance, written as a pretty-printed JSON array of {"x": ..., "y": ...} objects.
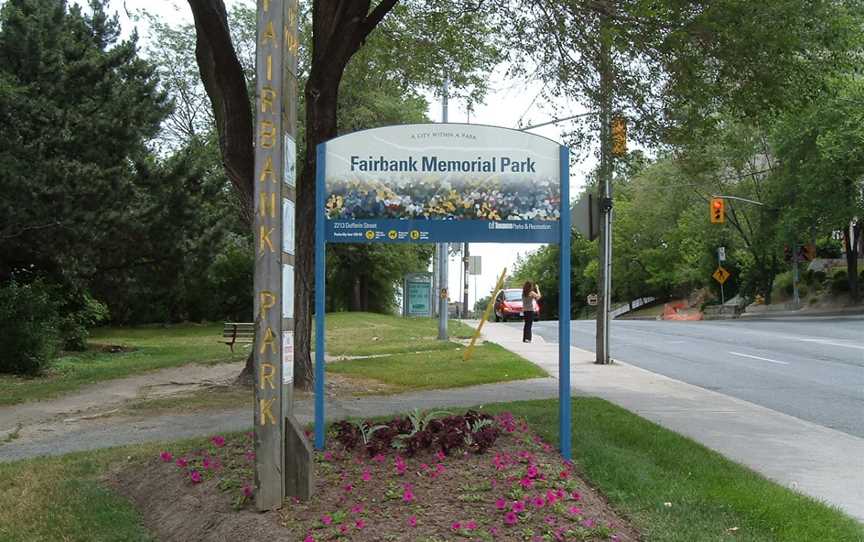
[
  {"x": 392, "y": 234},
  {"x": 415, "y": 234},
  {"x": 370, "y": 234},
  {"x": 721, "y": 275},
  {"x": 592, "y": 300}
]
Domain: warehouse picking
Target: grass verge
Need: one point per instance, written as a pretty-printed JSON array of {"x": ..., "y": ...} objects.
[
  {"x": 440, "y": 368},
  {"x": 149, "y": 348},
  {"x": 363, "y": 334},
  {"x": 62, "y": 499},
  {"x": 638, "y": 465}
]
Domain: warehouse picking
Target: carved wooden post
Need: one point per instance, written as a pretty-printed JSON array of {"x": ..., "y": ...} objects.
[{"x": 269, "y": 165}]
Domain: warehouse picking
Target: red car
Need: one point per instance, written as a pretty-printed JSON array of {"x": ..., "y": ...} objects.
[{"x": 508, "y": 305}]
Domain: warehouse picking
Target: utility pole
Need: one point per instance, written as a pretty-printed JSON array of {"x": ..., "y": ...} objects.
[
  {"x": 443, "y": 257},
  {"x": 605, "y": 196}
]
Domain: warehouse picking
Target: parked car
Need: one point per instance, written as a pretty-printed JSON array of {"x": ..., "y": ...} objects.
[{"x": 508, "y": 305}]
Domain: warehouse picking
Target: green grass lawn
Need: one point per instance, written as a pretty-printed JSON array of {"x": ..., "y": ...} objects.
[
  {"x": 155, "y": 347},
  {"x": 441, "y": 368},
  {"x": 638, "y": 465},
  {"x": 348, "y": 334},
  {"x": 363, "y": 334},
  {"x": 416, "y": 360}
]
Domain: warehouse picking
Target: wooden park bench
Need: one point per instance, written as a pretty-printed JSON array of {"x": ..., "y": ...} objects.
[{"x": 234, "y": 332}]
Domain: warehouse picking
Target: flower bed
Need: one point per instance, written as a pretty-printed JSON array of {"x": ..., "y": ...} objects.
[{"x": 424, "y": 477}]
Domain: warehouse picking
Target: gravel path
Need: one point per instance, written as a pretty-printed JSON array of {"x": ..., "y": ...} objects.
[{"x": 61, "y": 436}]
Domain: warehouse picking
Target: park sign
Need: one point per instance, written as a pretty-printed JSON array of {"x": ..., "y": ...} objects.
[
  {"x": 441, "y": 183},
  {"x": 282, "y": 454}
]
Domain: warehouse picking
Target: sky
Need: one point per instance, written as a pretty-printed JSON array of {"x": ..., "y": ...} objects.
[{"x": 508, "y": 102}]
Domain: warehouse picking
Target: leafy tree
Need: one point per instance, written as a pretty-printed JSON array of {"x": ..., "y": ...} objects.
[
  {"x": 339, "y": 30},
  {"x": 78, "y": 109},
  {"x": 821, "y": 181}
]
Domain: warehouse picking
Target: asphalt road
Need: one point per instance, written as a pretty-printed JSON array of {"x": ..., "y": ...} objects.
[{"x": 810, "y": 368}]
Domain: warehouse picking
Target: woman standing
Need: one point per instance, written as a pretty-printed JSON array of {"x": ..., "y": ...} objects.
[{"x": 530, "y": 293}]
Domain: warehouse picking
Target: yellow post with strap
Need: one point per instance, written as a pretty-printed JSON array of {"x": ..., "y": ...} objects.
[{"x": 498, "y": 285}]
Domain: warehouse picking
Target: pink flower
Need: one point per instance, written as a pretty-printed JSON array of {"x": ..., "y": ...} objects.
[
  {"x": 564, "y": 474},
  {"x": 182, "y": 462},
  {"x": 456, "y": 526},
  {"x": 247, "y": 491},
  {"x": 518, "y": 507},
  {"x": 500, "y": 504},
  {"x": 440, "y": 455},
  {"x": 532, "y": 472},
  {"x": 588, "y": 523},
  {"x": 309, "y": 538},
  {"x": 166, "y": 457},
  {"x": 550, "y": 497},
  {"x": 218, "y": 441},
  {"x": 471, "y": 525},
  {"x": 510, "y": 518},
  {"x": 408, "y": 495},
  {"x": 326, "y": 520},
  {"x": 348, "y": 488},
  {"x": 357, "y": 509},
  {"x": 250, "y": 456},
  {"x": 575, "y": 511},
  {"x": 195, "y": 476},
  {"x": 379, "y": 458},
  {"x": 366, "y": 476},
  {"x": 412, "y": 521},
  {"x": 538, "y": 502},
  {"x": 560, "y": 494},
  {"x": 360, "y": 523},
  {"x": 207, "y": 463},
  {"x": 493, "y": 531},
  {"x": 527, "y": 483},
  {"x": 343, "y": 529},
  {"x": 423, "y": 466},
  {"x": 576, "y": 496}
]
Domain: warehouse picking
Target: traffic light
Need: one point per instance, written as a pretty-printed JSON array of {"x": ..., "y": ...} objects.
[
  {"x": 619, "y": 136},
  {"x": 718, "y": 211}
]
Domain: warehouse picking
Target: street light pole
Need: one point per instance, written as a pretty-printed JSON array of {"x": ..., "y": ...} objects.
[
  {"x": 605, "y": 189},
  {"x": 443, "y": 257}
]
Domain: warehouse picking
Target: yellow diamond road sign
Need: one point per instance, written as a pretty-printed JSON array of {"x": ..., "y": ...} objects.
[{"x": 721, "y": 275}]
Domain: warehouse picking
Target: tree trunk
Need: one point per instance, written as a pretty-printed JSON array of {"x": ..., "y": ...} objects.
[
  {"x": 355, "y": 295},
  {"x": 225, "y": 83},
  {"x": 338, "y": 31}
]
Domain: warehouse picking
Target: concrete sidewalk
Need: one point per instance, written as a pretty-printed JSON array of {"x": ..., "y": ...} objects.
[{"x": 817, "y": 461}]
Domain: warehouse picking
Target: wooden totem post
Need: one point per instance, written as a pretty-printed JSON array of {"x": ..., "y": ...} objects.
[{"x": 275, "y": 129}]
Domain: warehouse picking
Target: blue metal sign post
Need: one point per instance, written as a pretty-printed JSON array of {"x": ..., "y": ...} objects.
[{"x": 437, "y": 183}]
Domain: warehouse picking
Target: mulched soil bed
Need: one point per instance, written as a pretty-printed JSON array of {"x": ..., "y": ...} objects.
[{"x": 519, "y": 489}]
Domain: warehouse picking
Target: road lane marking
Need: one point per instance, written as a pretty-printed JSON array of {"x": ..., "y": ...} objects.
[
  {"x": 832, "y": 343},
  {"x": 760, "y": 358}
]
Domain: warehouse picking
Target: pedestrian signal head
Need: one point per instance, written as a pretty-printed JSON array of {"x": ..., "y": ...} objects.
[{"x": 718, "y": 211}]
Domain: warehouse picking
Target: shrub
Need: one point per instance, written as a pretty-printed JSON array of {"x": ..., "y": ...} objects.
[
  {"x": 28, "y": 318},
  {"x": 419, "y": 432},
  {"x": 75, "y": 326},
  {"x": 840, "y": 282}
]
